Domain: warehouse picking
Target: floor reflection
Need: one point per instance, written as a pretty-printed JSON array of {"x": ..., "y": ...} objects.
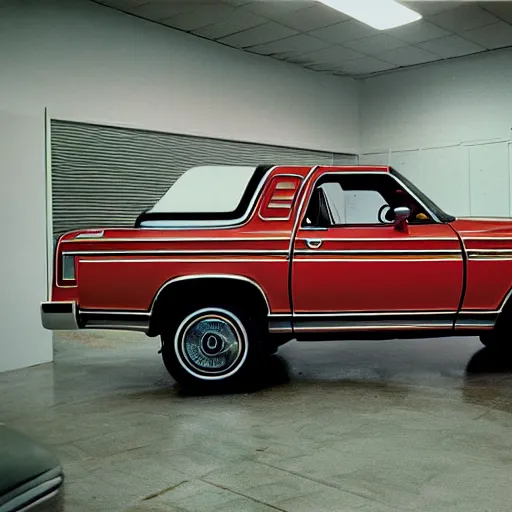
[{"x": 488, "y": 381}]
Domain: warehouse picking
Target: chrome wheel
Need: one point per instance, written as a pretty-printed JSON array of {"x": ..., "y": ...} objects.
[{"x": 211, "y": 344}]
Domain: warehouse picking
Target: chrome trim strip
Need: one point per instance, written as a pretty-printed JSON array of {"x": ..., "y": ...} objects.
[
  {"x": 486, "y": 219},
  {"x": 209, "y": 276},
  {"x": 490, "y": 258},
  {"x": 215, "y": 223},
  {"x": 479, "y": 312},
  {"x": 371, "y": 260},
  {"x": 372, "y": 314},
  {"x": 279, "y": 330},
  {"x": 115, "y": 319},
  {"x": 373, "y": 321},
  {"x": 373, "y": 327},
  {"x": 490, "y": 251},
  {"x": 490, "y": 254},
  {"x": 280, "y": 326},
  {"x": 113, "y": 312},
  {"x": 189, "y": 260},
  {"x": 125, "y": 326},
  {"x": 184, "y": 239},
  {"x": 165, "y": 252},
  {"x": 406, "y": 238},
  {"x": 379, "y": 251},
  {"x": 90, "y": 235},
  {"x": 461, "y": 324},
  {"x": 488, "y": 238}
]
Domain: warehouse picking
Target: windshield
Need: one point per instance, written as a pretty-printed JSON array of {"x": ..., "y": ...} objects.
[{"x": 440, "y": 214}]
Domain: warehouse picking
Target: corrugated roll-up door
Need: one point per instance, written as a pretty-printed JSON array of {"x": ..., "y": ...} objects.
[{"x": 106, "y": 176}]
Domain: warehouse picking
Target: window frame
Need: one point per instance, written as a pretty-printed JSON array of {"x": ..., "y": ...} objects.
[{"x": 433, "y": 217}]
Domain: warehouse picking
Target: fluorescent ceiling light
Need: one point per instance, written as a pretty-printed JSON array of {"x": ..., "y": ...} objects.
[{"x": 379, "y": 14}]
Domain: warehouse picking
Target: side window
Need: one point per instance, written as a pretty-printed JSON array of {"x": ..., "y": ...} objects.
[
  {"x": 366, "y": 199},
  {"x": 363, "y": 206}
]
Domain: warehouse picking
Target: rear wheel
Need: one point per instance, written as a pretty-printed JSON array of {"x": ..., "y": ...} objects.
[{"x": 213, "y": 348}]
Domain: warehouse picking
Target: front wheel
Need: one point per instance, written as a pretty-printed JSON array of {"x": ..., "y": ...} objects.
[
  {"x": 496, "y": 340},
  {"x": 212, "y": 348}
]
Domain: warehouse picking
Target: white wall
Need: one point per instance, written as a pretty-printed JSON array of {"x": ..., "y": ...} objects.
[
  {"x": 90, "y": 63},
  {"x": 447, "y": 126},
  {"x": 22, "y": 272}
]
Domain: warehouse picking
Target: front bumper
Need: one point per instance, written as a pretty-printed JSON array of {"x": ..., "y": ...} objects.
[{"x": 59, "y": 316}]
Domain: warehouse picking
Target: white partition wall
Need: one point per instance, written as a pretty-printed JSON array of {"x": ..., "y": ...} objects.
[
  {"x": 23, "y": 341},
  {"x": 489, "y": 180},
  {"x": 448, "y": 127},
  {"x": 465, "y": 180}
]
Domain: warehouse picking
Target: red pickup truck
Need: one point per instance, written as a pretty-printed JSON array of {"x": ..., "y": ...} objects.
[{"x": 232, "y": 262}]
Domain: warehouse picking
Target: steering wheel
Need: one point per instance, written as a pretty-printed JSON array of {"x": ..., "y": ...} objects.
[{"x": 383, "y": 213}]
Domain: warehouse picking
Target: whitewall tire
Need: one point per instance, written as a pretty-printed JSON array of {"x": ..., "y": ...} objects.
[{"x": 212, "y": 347}]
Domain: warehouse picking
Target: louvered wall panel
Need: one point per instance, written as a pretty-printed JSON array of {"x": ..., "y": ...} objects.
[{"x": 105, "y": 176}]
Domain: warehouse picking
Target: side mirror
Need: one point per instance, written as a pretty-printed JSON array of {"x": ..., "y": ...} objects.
[{"x": 402, "y": 213}]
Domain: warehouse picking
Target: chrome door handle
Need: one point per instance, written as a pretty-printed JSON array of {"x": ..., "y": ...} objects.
[{"x": 313, "y": 243}]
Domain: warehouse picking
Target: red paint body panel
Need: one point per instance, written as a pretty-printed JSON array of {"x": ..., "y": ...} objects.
[
  {"x": 356, "y": 269},
  {"x": 489, "y": 276},
  {"x": 132, "y": 283},
  {"x": 324, "y": 282}
]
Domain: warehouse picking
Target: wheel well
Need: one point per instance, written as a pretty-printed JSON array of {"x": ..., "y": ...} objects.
[
  {"x": 504, "y": 313},
  {"x": 177, "y": 294}
]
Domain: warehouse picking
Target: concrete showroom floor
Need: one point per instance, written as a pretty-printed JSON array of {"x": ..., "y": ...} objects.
[{"x": 387, "y": 426}]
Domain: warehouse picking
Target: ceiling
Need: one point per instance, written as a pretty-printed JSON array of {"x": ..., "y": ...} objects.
[{"x": 308, "y": 33}]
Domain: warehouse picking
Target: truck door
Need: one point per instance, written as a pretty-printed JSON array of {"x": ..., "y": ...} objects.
[{"x": 354, "y": 270}]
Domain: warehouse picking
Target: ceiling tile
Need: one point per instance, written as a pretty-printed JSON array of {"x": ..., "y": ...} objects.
[
  {"x": 418, "y": 32},
  {"x": 237, "y": 21},
  {"x": 466, "y": 17},
  {"x": 158, "y": 10},
  {"x": 407, "y": 56},
  {"x": 502, "y": 10},
  {"x": 430, "y": 7},
  {"x": 270, "y": 31},
  {"x": 314, "y": 17},
  {"x": 491, "y": 37},
  {"x": 126, "y": 4},
  {"x": 365, "y": 65},
  {"x": 345, "y": 31},
  {"x": 329, "y": 56},
  {"x": 375, "y": 44},
  {"x": 201, "y": 17},
  {"x": 273, "y": 9},
  {"x": 238, "y": 2},
  {"x": 292, "y": 46},
  {"x": 451, "y": 46},
  {"x": 152, "y": 11}
]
